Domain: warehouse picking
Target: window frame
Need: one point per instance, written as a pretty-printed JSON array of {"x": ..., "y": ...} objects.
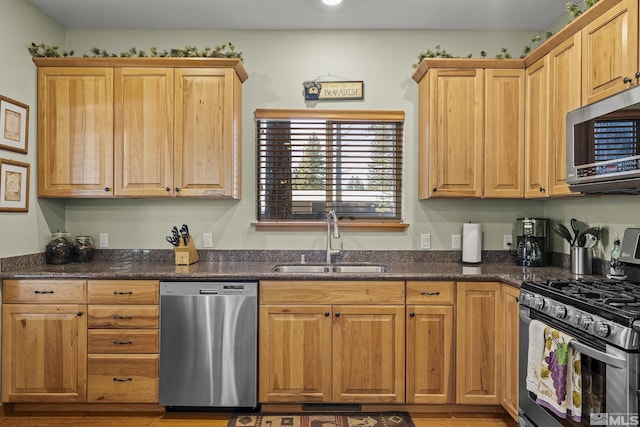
[{"x": 329, "y": 115}]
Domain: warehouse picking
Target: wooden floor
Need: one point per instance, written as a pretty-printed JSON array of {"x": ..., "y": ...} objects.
[{"x": 214, "y": 420}]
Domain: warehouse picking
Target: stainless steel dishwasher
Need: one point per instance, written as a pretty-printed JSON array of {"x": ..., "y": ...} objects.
[{"x": 208, "y": 344}]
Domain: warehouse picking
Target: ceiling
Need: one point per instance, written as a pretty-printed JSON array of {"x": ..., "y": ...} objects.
[{"x": 535, "y": 15}]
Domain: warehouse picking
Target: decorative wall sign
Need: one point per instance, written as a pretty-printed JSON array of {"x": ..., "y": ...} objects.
[
  {"x": 14, "y": 186},
  {"x": 333, "y": 91},
  {"x": 14, "y": 125}
]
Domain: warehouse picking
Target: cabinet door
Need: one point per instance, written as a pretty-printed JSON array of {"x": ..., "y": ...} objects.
[
  {"x": 143, "y": 100},
  {"x": 456, "y": 129},
  {"x": 610, "y": 52},
  {"x": 368, "y": 354},
  {"x": 207, "y": 136},
  {"x": 44, "y": 353},
  {"x": 429, "y": 354},
  {"x": 75, "y": 132},
  {"x": 511, "y": 322},
  {"x": 504, "y": 134},
  {"x": 478, "y": 343},
  {"x": 536, "y": 129},
  {"x": 564, "y": 95},
  {"x": 295, "y": 353}
]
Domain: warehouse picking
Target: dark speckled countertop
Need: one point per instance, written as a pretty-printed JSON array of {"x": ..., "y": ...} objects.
[{"x": 257, "y": 265}]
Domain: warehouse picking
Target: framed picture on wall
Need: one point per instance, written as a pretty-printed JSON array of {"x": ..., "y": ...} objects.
[
  {"x": 14, "y": 125},
  {"x": 14, "y": 186}
]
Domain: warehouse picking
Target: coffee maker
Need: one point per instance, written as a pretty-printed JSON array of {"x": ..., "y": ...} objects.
[{"x": 532, "y": 242}]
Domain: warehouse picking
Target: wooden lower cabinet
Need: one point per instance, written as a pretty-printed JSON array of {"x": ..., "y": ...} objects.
[
  {"x": 331, "y": 342},
  {"x": 44, "y": 353},
  {"x": 511, "y": 321},
  {"x": 123, "y": 344},
  {"x": 430, "y": 339},
  {"x": 123, "y": 378},
  {"x": 479, "y": 337}
]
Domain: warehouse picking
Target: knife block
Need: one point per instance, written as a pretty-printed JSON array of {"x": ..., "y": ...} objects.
[{"x": 186, "y": 254}]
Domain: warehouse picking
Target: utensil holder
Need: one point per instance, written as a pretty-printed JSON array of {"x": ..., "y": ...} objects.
[
  {"x": 186, "y": 254},
  {"x": 581, "y": 260}
]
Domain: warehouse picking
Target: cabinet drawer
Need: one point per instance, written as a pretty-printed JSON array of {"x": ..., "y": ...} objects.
[
  {"x": 327, "y": 292},
  {"x": 419, "y": 292},
  {"x": 122, "y": 378},
  {"x": 44, "y": 291},
  {"x": 122, "y": 316},
  {"x": 123, "y": 341},
  {"x": 123, "y": 291}
]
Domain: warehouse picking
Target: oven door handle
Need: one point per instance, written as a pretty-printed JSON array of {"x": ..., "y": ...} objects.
[{"x": 608, "y": 359}]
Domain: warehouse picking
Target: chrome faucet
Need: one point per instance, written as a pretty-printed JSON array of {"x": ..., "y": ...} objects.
[{"x": 332, "y": 218}]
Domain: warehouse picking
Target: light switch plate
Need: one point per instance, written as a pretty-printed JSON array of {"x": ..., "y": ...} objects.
[
  {"x": 456, "y": 241},
  {"x": 207, "y": 240},
  {"x": 104, "y": 240},
  {"x": 425, "y": 241}
]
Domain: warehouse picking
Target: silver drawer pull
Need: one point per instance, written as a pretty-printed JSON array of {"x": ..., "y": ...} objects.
[
  {"x": 122, "y": 342},
  {"x": 117, "y": 317},
  {"x": 43, "y": 292},
  {"x": 122, "y": 379},
  {"x": 429, "y": 293},
  {"x": 122, "y": 293}
]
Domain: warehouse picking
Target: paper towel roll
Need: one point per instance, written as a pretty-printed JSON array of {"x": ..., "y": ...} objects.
[{"x": 471, "y": 243}]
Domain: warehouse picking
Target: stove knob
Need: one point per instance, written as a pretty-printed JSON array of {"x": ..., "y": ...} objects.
[
  {"x": 525, "y": 299},
  {"x": 560, "y": 311},
  {"x": 603, "y": 330},
  {"x": 538, "y": 303},
  {"x": 586, "y": 322}
]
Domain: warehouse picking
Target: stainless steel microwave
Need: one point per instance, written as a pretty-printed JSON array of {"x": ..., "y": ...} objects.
[{"x": 603, "y": 145}]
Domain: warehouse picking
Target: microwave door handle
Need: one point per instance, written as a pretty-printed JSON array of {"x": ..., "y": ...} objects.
[{"x": 609, "y": 359}]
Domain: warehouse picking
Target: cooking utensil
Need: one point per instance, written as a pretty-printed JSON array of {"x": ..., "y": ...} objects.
[
  {"x": 174, "y": 239},
  {"x": 578, "y": 227},
  {"x": 590, "y": 240},
  {"x": 595, "y": 231},
  {"x": 562, "y": 231}
]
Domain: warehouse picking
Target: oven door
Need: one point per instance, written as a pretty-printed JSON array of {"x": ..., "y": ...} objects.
[{"x": 609, "y": 379}]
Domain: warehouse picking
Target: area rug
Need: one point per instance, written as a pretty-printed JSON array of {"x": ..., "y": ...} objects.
[{"x": 351, "y": 419}]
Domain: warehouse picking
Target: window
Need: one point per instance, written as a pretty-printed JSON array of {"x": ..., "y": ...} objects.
[{"x": 309, "y": 162}]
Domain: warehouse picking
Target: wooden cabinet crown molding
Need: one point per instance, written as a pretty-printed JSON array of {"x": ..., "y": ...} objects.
[{"x": 234, "y": 63}]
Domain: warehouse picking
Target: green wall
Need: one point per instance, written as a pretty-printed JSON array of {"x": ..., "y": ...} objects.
[{"x": 278, "y": 62}]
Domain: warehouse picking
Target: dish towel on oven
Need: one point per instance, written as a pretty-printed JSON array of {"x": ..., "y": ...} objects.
[
  {"x": 560, "y": 388},
  {"x": 534, "y": 357}
]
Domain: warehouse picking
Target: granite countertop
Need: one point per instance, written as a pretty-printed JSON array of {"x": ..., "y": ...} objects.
[{"x": 213, "y": 269}]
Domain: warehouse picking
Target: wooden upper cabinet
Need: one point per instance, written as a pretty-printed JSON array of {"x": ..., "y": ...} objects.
[
  {"x": 504, "y": 133},
  {"x": 139, "y": 127},
  {"x": 143, "y": 132},
  {"x": 207, "y": 136},
  {"x": 565, "y": 86},
  {"x": 75, "y": 132},
  {"x": 537, "y": 129},
  {"x": 610, "y": 52},
  {"x": 455, "y": 133}
]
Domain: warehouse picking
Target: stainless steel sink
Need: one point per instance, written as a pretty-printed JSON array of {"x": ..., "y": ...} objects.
[
  {"x": 302, "y": 268},
  {"x": 360, "y": 268},
  {"x": 327, "y": 268}
]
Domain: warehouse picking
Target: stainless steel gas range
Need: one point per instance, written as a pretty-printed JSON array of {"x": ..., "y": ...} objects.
[{"x": 601, "y": 318}]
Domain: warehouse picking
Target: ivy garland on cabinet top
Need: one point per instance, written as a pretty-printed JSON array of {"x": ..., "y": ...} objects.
[
  {"x": 227, "y": 50},
  {"x": 573, "y": 9}
]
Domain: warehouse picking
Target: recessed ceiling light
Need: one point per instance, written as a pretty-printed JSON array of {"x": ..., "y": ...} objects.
[{"x": 331, "y": 2}]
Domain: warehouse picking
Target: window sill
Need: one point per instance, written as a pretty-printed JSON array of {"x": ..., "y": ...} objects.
[{"x": 347, "y": 225}]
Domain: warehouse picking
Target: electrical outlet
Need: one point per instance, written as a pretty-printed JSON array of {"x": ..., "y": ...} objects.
[
  {"x": 456, "y": 241},
  {"x": 207, "y": 239},
  {"x": 425, "y": 241},
  {"x": 104, "y": 240},
  {"x": 507, "y": 241}
]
